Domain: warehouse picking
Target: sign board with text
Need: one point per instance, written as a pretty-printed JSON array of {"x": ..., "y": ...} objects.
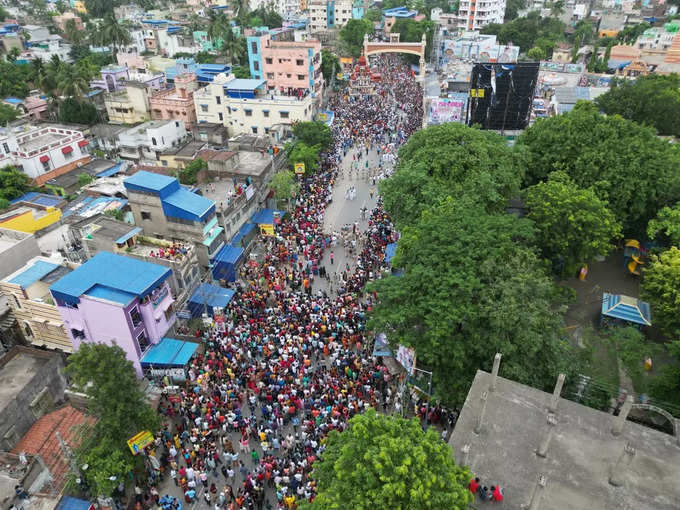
[
  {"x": 299, "y": 168},
  {"x": 140, "y": 441}
]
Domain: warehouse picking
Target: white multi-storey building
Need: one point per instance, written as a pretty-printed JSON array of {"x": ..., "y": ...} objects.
[
  {"x": 325, "y": 14},
  {"x": 475, "y": 14}
]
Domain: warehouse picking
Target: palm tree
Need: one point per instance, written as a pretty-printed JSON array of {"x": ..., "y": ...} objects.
[
  {"x": 114, "y": 34},
  {"x": 557, "y": 8},
  {"x": 73, "y": 33},
  {"x": 235, "y": 48},
  {"x": 71, "y": 82},
  {"x": 218, "y": 27},
  {"x": 195, "y": 23}
]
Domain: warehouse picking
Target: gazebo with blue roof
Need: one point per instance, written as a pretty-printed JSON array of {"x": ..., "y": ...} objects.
[{"x": 620, "y": 309}]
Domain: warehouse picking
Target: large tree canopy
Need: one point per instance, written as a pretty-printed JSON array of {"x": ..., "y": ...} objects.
[
  {"x": 448, "y": 160},
  {"x": 661, "y": 287},
  {"x": 528, "y": 32},
  {"x": 625, "y": 164},
  {"x": 352, "y": 34},
  {"x": 572, "y": 224},
  {"x": 313, "y": 133},
  {"x": 471, "y": 287},
  {"x": 653, "y": 100},
  {"x": 384, "y": 461}
]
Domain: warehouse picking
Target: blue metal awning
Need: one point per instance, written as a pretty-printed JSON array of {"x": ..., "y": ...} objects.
[
  {"x": 169, "y": 352},
  {"x": 630, "y": 309},
  {"x": 127, "y": 236},
  {"x": 390, "y": 250}
]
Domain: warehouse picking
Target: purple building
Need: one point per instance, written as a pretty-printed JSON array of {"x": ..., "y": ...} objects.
[{"x": 116, "y": 299}]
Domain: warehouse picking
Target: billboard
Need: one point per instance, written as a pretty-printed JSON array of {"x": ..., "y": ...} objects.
[
  {"x": 483, "y": 49},
  {"x": 446, "y": 109}
]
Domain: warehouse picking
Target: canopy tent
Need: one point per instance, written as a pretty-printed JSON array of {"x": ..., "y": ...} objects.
[
  {"x": 625, "y": 308},
  {"x": 267, "y": 217},
  {"x": 390, "y": 250},
  {"x": 70, "y": 503},
  {"x": 242, "y": 235},
  {"x": 225, "y": 263},
  {"x": 208, "y": 296},
  {"x": 169, "y": 352}
]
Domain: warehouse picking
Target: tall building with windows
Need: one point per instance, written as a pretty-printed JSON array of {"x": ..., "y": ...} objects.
[
  {"x": 328, "y": 14},
  {"x": 290, "y": 67},
  {"x": 475, "y": 14},
  {"x": 166, "y": 210},
  {"x": 113, "y": 299}
]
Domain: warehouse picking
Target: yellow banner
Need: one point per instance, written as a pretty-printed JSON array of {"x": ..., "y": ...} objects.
[
  {"x": 266, "y": 229},
  {"x": 140, "y": 441},
  {"x": 299, "y": 168}
]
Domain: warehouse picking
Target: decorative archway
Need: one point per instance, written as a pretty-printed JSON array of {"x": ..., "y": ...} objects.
[{"x": 394, "y": 46}]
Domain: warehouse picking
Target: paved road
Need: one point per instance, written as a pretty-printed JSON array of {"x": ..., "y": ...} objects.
[{"x": 339, "y": 212}]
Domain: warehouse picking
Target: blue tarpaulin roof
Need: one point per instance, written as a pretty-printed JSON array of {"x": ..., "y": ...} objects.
[
  {"x": 626, "y": 308},
  {"x": 38, "y": 270},
  {"x": 109, "y": 294},
  {"x": 390, "y": 250},
  {"x": 70, "y": 503},
  {"x": 149, "y": 181},
  {"x": 170, "y": 352},
  {"x": 111, "y": 171},
  {"x": 212, "y": 295},
  {"x": 183, "y": 203},
  {"x": 245, "y": 229},
  {"x": 38, "y": 198},
  {"x": 265, "y": 216},
  {"x": 113, "y": 271}
]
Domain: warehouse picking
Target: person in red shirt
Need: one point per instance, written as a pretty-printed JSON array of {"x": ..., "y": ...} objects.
[
  {"x": 474, "y": 485},
  {"x": 497, "y": 493}
]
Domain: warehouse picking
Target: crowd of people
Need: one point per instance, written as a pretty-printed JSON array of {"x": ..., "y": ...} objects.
[{"x": 289, "y": 365}]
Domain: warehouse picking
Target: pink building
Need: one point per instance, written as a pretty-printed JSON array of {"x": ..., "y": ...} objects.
[
  {"x": 61, "y": 20},
  {"x": 177, "y": 103},
  {"x": 132, "y": 61},
  {"x": 290, "y": 67}
]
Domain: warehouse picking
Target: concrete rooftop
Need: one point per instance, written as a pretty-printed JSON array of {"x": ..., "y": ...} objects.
[
  {"x": 16, "y": 374},
  {"x": 579, "y": 458}
]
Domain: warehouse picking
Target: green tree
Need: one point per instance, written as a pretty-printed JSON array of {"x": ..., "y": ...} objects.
[
  {"x": 626, "y": 164},
  {"x": 471, "y": 287},
  {"x": 526, "y": 31},
  {"x": 373, "y": 15},
  {"x": 300, "y": 152},
  {"x": 653, "y": 100},
  {"x": 115, "y": 398},
  {"x": 632, "y": 348},
  {"x": 661, "y": 287},
  {"x": 536, "y": 53},
  {"x": 352, "y": 34},
  {"x": 630, "y": 34},
  {"x": 115, "y": 213},
  {"x": 267, "y": 17},
  {"x": 412, "y": 31},
  {"x": 73, "y": 33},
  {"x": 7, "y": 114},
  {"x": 114, "y": 33},
  {"x": 449, "y": 160},
  {"x": 3, "y": 14},
  {"x": 4, "y": 203},
  {"x": 330, "y": 64},
  {"x": 313, "y": 133},
  {"x": 388, "y": 462},
  {"x": 84, "y": 179},
  {"x": 512, "y": 9},
  {"x": 13, "y": 183},
  {"x": 189, "y": 174},
  {"x": 75, "y": 111},
  {"x": 283, "y": 183},
  {"x": 666, "y": 226},
  {"x": 572, "y": 225},
  {"x": 241, "y": 72}
]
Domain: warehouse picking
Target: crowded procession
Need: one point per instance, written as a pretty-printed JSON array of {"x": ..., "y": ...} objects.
[{"x": 293, "y": 359}]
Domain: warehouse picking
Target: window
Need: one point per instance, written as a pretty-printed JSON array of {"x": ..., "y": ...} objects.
[
  {"x": 68, "y": 155},
  {"x": 300, "y": 62},
  {"x": 265, "y": 113},
  {"x": 46, "y": 166},
  {"x": 288, "y": 75},
  {"x": 249, "y": 113},
  {"x": 268, "y": 60},
  {"x": 146, "y": 215},
  {"x": 27, "y": 330},
  {"x": 16, "y": 302},
  {"x": 5, "y": 148},
  {"x": 284, "y": 115},
  {"x": 143, "y": 342},
  {"x": 254, "y": 128},
  {"x": 301, "y": 76},
  {"x": 220, "y": 116},
  {"x": 253, "y": 47},
  {"x": 266, "y": 130},
  {"x": 176, "y": 123},
  {"x": 204, "y": 108},
  {"x": 270, "y": 76},
  {"x": 164, "y": 162},
  {"x": 77, "y": 333},
  {"x": 153, "y": 141},
  {"x": 135, "y": 317},
  {"x": 256, "y": 65},
  {"x": 218, "y": 99}
]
